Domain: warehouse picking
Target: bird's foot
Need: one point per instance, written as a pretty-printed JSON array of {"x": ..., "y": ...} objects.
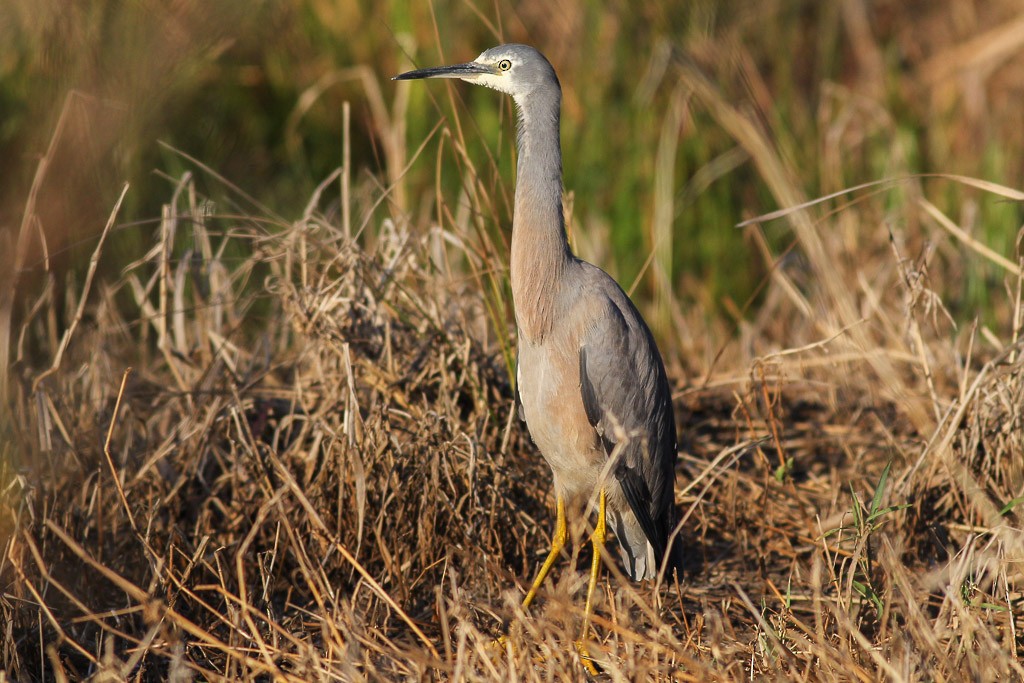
[
  {"x": 503, "y": 645},
  {"x": 499, "y": 645},
  {"x": 588, "y": 662}
]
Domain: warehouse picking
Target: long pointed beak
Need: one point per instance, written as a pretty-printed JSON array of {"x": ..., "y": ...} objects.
[{"x": 467, "y": 70}]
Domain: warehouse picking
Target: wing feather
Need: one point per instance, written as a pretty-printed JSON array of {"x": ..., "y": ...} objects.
[{"x": 627, "y": 400}]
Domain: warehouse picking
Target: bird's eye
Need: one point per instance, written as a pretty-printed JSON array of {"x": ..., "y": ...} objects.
[{"x": 504, "y": 65}]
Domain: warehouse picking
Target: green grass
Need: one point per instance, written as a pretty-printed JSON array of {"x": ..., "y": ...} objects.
[{"x": 221, "y": 84}]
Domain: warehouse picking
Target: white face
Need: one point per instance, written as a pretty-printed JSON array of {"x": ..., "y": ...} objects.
[{"x": 501, "y": 74}]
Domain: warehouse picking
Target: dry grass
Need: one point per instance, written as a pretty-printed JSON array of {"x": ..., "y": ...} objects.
[{"x": 312, "y": 470}]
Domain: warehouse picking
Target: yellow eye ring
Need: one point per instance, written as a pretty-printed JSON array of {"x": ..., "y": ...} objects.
[{"x": 504, "y": 65}]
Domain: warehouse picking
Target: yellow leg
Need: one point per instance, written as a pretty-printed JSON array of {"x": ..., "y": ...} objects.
[
  {"x": 557, "y": 543},
  {"x": 598, "y": 539}
]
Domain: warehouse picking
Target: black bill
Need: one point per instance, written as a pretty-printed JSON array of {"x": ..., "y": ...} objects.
[{"x": 453, "y": 71}]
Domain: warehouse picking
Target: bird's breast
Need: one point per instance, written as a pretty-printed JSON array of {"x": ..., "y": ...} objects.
[{"x": 549, "y": 388}]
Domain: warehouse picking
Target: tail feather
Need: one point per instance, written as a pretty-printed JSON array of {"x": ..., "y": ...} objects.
[{"x": 640, "y": 559}]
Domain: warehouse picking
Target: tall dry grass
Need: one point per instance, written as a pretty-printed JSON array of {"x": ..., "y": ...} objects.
[{"x": 286, "y": 448}]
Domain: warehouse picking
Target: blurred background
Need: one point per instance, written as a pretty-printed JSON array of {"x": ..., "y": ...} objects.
[{"x": 94, "y": 94}]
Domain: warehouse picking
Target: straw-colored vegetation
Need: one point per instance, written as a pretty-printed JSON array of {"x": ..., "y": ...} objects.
[{"x": 274, "y": 438}]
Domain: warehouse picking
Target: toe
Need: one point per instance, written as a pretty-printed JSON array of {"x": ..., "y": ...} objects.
[{"x": 586, "y": 659}]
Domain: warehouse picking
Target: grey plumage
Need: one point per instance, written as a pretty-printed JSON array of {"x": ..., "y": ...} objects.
[{"x": 590, "y": 379}]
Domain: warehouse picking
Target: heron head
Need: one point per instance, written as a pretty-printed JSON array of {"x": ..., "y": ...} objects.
[{"x": 516, "y": 70}]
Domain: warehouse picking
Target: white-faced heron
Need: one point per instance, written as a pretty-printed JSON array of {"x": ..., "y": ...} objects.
[{"x": 591, "y": 382}]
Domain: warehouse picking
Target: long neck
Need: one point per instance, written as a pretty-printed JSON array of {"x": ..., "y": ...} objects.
[{"x": 540, "y": 251}]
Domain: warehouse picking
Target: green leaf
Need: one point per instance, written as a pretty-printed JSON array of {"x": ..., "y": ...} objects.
[
  {"x": 879, "y": 490},
  {"x": 884, "y": 511},
  {"x": 858, "y": 520},
  {"x": 783, "y": 470},
  {"x": 868, "y": 593},
  {"x": 992, "y": 606},
  {"x": 1012, "y": 504}
]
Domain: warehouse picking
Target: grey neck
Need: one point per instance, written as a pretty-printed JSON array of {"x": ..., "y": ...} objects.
[{"x": 540, "y": 251}]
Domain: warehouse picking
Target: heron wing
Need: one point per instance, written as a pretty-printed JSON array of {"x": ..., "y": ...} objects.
[{"x": 627, "y": 400}]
